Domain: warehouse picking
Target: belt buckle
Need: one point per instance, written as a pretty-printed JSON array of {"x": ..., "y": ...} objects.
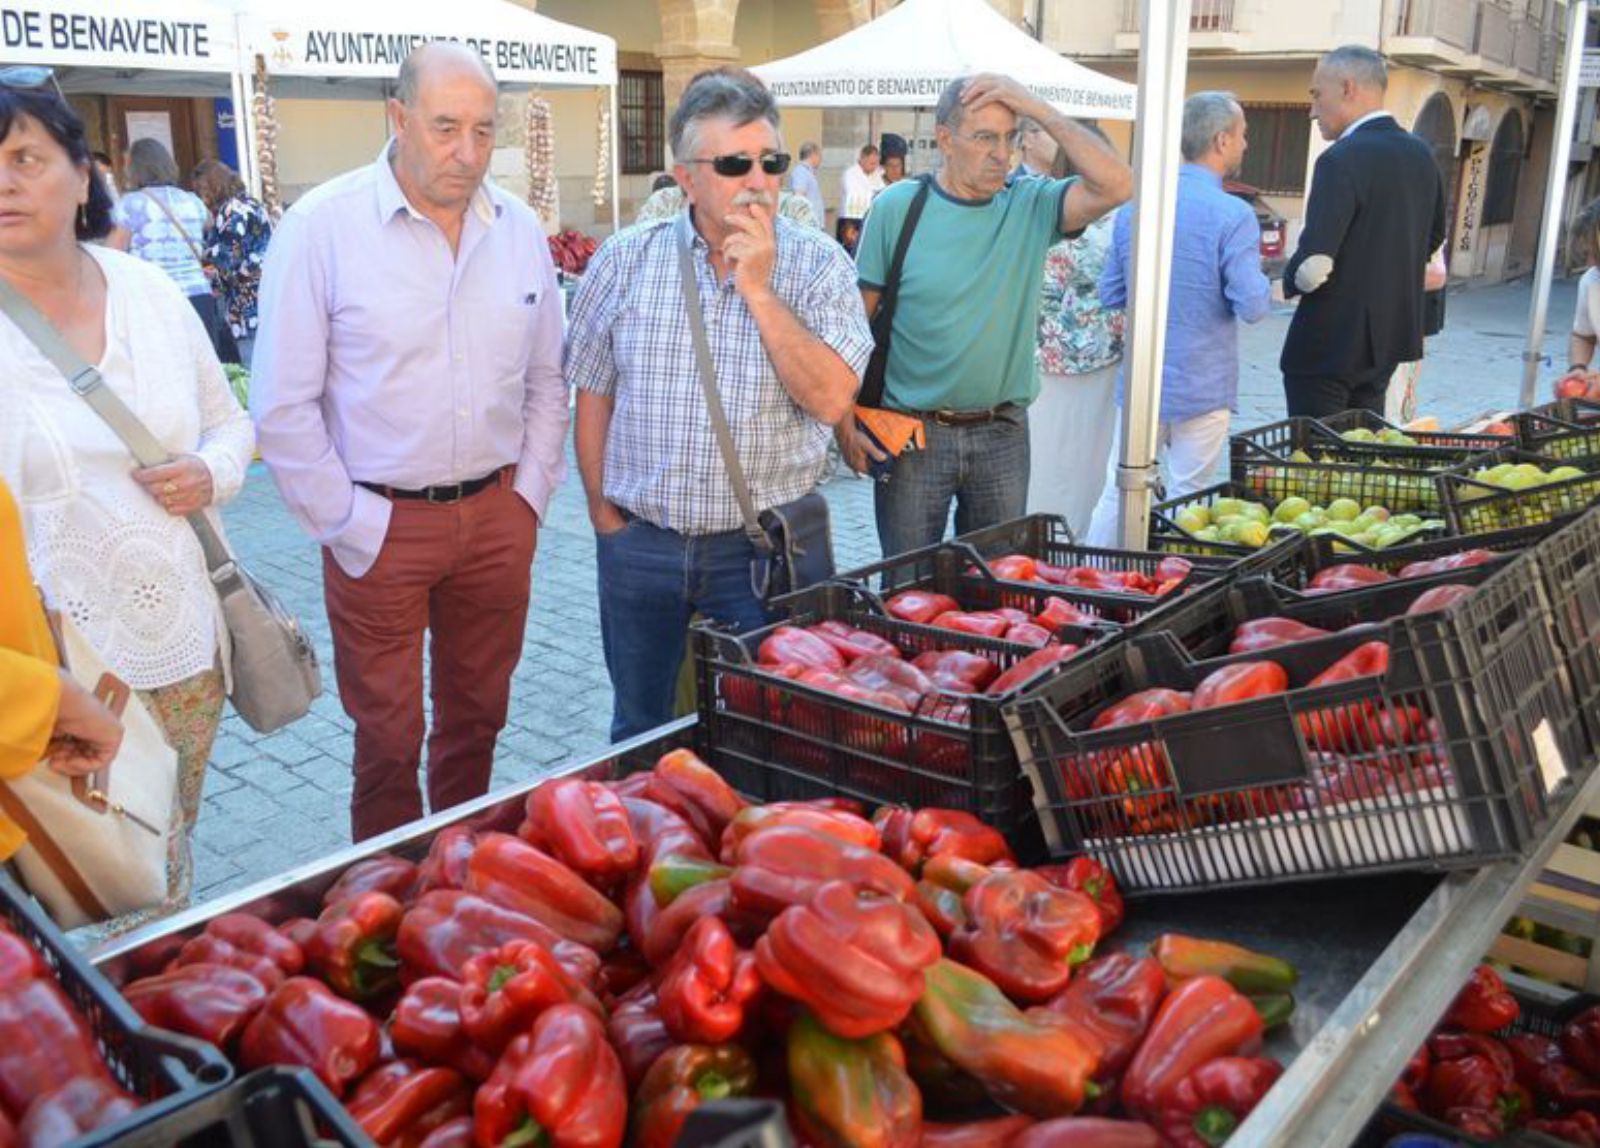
[{"x": 445, "y": 493}]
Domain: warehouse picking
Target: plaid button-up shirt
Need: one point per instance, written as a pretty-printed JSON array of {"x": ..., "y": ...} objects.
[{"x": 628, "y": 338}]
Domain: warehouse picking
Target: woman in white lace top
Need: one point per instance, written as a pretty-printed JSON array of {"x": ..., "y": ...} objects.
[{"x": 107, "y": 540}]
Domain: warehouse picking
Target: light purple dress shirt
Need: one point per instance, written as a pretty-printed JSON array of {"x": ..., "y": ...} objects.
[{"x": 384, "y": 357}]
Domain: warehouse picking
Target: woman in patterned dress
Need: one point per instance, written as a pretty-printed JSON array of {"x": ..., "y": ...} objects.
[{"x": 235, "y": 246}]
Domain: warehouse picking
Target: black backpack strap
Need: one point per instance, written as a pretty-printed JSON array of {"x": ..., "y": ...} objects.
[{"x": 883, "y": 319}]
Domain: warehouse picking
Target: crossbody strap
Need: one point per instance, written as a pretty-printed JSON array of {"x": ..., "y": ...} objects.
[
  {"x": 883, "y": 319},
  {"x": 88, "y": 385},
  {"x": 708, "y": 383},
  {"x": 182, "y": 230}
]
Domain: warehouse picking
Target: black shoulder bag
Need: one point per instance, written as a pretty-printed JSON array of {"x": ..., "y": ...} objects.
[{"x": 883, "y": 319}]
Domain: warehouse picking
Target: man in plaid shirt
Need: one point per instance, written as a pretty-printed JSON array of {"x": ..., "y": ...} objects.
[{"x": 789, "y": 341}]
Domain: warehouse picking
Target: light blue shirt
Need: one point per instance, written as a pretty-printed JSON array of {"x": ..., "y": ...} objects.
[
  {"x": 803, "y": 181},
  {"x": 1216, "y": 281},
  {"x": 167, "y": 241}
]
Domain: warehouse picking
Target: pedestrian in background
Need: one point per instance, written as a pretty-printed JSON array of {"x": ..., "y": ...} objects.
[
  {"x": 858, "y": 184},
  {"x": 236, "y": 245},
  {"x": 788, "y": 340},
  {"x": 1216, "y": 284},
  {"x": 803, "y": 180},
  {"x": 1585, "y": 240},
  {"x": 1036, "y": 151},
  {"x": 1072, "y": 423},
  {"x": 408, "y": 391},
  {"x": 892, "y": 151},
  {"x": 1374, "y": 216},
  {"x": 967, "y": 323}
]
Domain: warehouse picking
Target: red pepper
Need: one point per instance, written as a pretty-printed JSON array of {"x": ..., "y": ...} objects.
[
  {"x": 861, "y": 732},
  {"x": 401, "y": 1103},
  {"x": 510, "y": 872},
  {"x": 694, "y": 791},
  {"x": 708, "y": 984},
  {"x": 1029, "y": 634},
  {"x": 1265, "y": 633},
  {"x": 957, "y": 671},
  {"x": 920, "y": 605},
  {"x": 851, "y": 1092},
  {"x": 584, "y": 825},
  {"x": 442, "y": 931},
  {"x": 891, "y": 676},
  {"x": 1240, "y": 682},
  {"x": 623, "y": 969},
  {"x": 1014, "y": 568},
  {"x": 792, "y": 646},
  {"x": 1440, "y": 598},
  {"x": 245, "y": 942},
  {"x": 1087, "y": 876},
  {"x": 786, "y": 865},
  {"x": 658, "y": 932},
  {"x": 504, "y": 990},
  {"x": 853, "y": 643},
  {"x": 1347, "y": 577},
  {"x": 1564, "y": 1087},
  {"x": 1173, "y": 568},
  {"x": 1183, "y": 957},
  {"x": 353, "y": 949},
  {"x": 19, "y": 961},
  {"x": 855, "y": 958},
  {"x": 559, "y": 1085},
  {"x": 912, "y": 837},
  {"x": 1531, "y": 1053},
  {"x": 663, "y": 833},
  {"x": 1146, "y": 705},
  {"x": 46, "y": 1042},
  {"x": 1580, "y": 1040},
  {"x": 851, "y": 828},
  {"x": 72, "y": 1108},
  {"x": 1215, "y": 1098},
  {"x": 1059, "y": 612},
  {"x": 1088, "y": 1132},
  {"x": 1029, "y": 668},
  {"x": 212, "y": 1003},
  {"x": 637, "y": 1032},
  {"x": 1460, "y": 1045},
  {"x": 384, "y": 873},
  {"x": 1449, "y": 562},
  {"x": 1476, "y": 1084},
  {"x": 1581, "y": 1128},
  {"x": 1484, "y": 1004},
  {"x": 999, "y": 1132},
  {"x": 1109, "y": 1006},
  {"x": 304, "y": 1024},
  {"x": 682, "y": 1079},
  {"x": 943, "y": 887},
  {"x": 1366, "y": 660},
  {"x": 445, "y": 866},
  {"x": 1025, "y": 934},
  {"x": 300, "y": 930},
  {"x": 455, "y": 1133},
  {"x": 427, "y": 1025},
  {"x": 984, "y": 624},
  {"x": 1200, "y": 1020}
]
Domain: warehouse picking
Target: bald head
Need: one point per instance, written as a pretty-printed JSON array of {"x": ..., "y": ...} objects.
[{"x": 435, "y": 60}]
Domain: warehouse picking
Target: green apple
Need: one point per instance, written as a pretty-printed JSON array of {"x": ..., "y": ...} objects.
[
  {"x": 1192, "y": 519},
  {"x": 1567, "y": 473},
  {"x": 1290, "y": 509},
  {"x": 1310, "y": 520},
  {"x": 1252, "y": 534},
  {"x": 1344, "y": 509},
  {"x": 1359, "y": 434},
  {"x": 1376, "y": 513},
  {"x": 1256, "y": 512},
  {"x": 1225, "y": 507},
  {"x": 1207, "y": 534},
  {"x": 1299, "y": 456}
]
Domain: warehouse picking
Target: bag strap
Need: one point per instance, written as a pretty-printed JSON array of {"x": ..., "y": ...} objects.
[
  {"x": 173, "y": 219},
  {"x": 87, "y": 383},
  {"x": 708, "y": 383},
  {"x": 884, "y": 317},
  {"x": 50, "y": 852}
]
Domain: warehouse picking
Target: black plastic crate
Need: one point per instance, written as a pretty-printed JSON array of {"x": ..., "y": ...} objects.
[
  {"x": 1567, "y": 429},
  {"x": 1320, "y": 553},
  {"x": 1426, "y": 441},
  {"x": 270, "y": 1108},
  {"x": 1570, "y": 563},
  {"x": 1048, "y": 537},
  {"x": 1475, "y": 507},
  {"x": 1228, "y": 796},
  {"x": 1167, "y": 536},
  {"x": 736, "y": 1124},
  {"x": 776, "y": 739},
  {"x": 163, "y": 1069}
]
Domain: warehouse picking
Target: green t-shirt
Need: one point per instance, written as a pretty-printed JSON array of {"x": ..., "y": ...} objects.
[{"x": 968, "y": 314}]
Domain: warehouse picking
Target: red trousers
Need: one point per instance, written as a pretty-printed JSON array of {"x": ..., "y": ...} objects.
[{"x": 460, "y": 572}]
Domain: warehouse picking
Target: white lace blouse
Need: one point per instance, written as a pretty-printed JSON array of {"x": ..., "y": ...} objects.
[{"x": 130, "y": 575}]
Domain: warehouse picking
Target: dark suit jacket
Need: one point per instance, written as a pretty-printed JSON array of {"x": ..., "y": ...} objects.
[{"x": 1377, "y": 209}]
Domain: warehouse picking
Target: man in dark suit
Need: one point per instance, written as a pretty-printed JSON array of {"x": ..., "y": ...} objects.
[{"x": 1375, "y": 214}]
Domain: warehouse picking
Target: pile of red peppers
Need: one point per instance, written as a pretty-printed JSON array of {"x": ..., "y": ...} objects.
[
  {"x": 641, "y": 947},
  {"x": 1171, "y": 573}
]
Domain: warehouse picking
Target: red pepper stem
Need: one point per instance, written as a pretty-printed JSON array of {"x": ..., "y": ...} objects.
[
  {"x": 1214, "y": 1124},
  {"x": 1091, "y": 1090},
  {"x": 498, "y": 978},
  {"x": 713, "y": 1085},
  {"x": 529, "y": 1134}
]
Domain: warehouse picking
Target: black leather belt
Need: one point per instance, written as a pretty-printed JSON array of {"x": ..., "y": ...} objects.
[
  {"x": 444, "y": 494},
  {"x": 968, "y": 418}
]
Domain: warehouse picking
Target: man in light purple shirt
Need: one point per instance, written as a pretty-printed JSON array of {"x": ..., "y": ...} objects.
[{"x": 409, "y": 402}]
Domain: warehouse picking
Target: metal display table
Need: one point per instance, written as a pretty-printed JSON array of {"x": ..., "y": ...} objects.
[{"x": 1380, "y": 958}]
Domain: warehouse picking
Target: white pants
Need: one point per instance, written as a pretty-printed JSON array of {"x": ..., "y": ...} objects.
[
  {"x": 1070, "y": 428},
  {"x": 1187, "y": 453},
  {"x": 1400, "y": 401}
]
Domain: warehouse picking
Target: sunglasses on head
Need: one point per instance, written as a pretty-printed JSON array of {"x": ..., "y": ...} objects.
[
  {"x": 29, "y": 76},
  {"x": 733, "y": 166}
]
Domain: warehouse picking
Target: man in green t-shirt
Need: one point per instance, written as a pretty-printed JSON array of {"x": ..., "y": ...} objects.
[{"x": 961, "y": 347}]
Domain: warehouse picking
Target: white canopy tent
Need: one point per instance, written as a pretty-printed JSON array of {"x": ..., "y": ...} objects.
[{"x": 905, "y": 57}]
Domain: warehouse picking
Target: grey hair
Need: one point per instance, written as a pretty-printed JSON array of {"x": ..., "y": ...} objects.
[
  {"x": 416, "y": 62},
  {"x": 808, "y": 149},
  {"x": 949, "y": 112},
  {"x": 1206, "y": 115},
  {"x": 1361, "y": 65},
  {"x": 719, "y": 94},
  {"x": 150, "y": 164}
]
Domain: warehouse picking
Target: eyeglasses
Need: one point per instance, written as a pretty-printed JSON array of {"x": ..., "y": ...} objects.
[
  {"x": 734, "y": 166},
  {"x": 991, "y": 141},
  {"x": 30, "y": 76}
]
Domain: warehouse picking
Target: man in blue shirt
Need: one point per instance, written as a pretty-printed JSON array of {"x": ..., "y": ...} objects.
[
  {"x": 803, "y": 180},
  {"x": 1216, "y": 281}
]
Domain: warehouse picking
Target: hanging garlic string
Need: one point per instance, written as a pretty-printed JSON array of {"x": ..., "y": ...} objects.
[
  {"x": 539, "y": 149},
  {"x": 264, "y": 113},
  {"x": 602, "y": 157}
]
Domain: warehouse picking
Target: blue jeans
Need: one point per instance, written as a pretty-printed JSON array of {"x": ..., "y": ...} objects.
[
  {"x": 984, "y": 468},
  {"x": 651, "y": 582}
]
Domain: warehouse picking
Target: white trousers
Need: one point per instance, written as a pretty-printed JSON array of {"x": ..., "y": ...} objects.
[
  {"x": 1187, "y": 452},
  {"x": 1070, "y": 428}
]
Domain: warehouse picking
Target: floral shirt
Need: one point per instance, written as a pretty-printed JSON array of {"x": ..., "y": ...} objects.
[
  {"x": 1076, "y": 334},
  {"x": 236, "y": 243}
]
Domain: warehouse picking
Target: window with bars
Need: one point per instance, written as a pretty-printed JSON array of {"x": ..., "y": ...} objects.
[
  {"x": 1279, "y": 136},
  {"x": 642, "y": 109},
  {"x": 1505, "y": 171}
]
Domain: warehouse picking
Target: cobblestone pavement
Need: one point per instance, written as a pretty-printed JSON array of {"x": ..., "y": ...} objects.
[{"x": 282, "y": 800}]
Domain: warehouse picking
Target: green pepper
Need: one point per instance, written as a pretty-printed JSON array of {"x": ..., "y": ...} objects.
[{"x": 850, "y": 1093}]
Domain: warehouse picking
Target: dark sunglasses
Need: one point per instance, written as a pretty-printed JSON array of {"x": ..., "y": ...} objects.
[
  {"x": 733, "y": 166},
  {"x": 29, "y": 76}
]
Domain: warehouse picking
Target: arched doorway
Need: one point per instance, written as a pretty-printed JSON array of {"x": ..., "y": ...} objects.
[{"x": 1436, "y": 124}]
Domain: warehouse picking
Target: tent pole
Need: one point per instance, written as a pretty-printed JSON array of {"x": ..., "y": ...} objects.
[
  {"x": 247, "y": 92},
  {"x": 1554, "y": 196},
  {"x": 241, "y": 133},
  {"x": 616, "y": 164},
  {"x": 1163, "y": 69}
]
